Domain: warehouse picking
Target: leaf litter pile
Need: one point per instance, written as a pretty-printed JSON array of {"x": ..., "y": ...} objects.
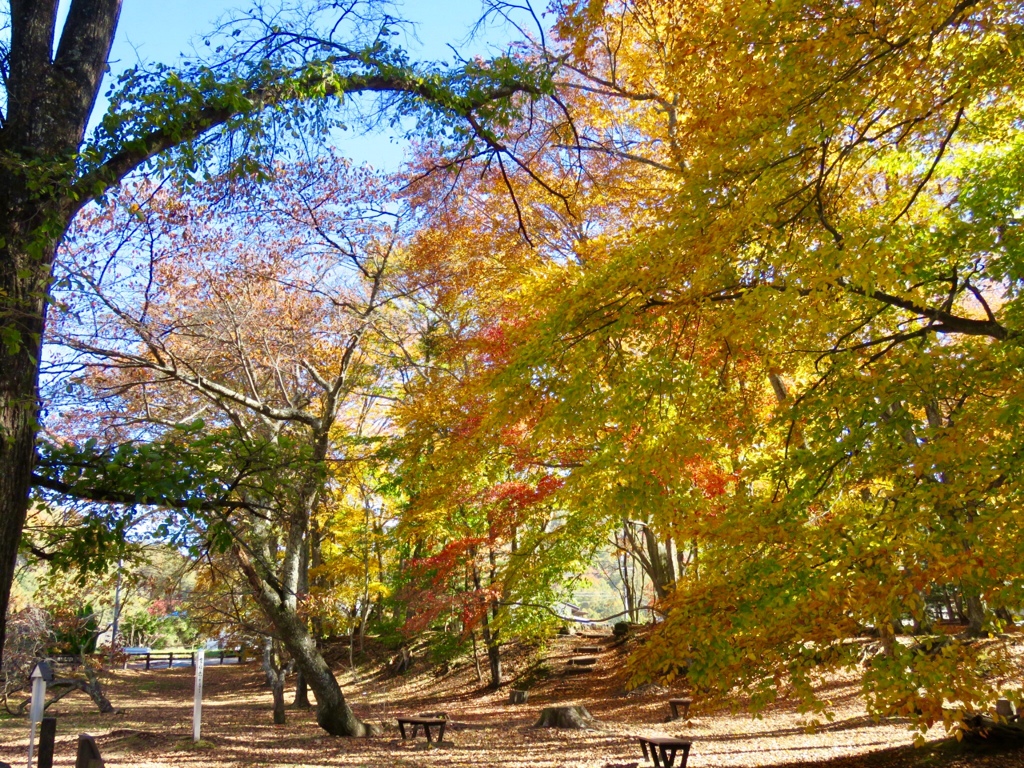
[{"x": 154, "y": 725}]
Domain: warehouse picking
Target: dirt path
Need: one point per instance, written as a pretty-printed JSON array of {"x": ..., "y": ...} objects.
[{"x": 154, "y": 728}]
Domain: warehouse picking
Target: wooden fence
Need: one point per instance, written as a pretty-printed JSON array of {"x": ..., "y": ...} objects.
[
  {"x": 167, "y": 658},
  {"x": 158, "y": 659}
]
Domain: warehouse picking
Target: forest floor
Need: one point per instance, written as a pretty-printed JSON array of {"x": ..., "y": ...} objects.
[{"x": 154, "y": 725}]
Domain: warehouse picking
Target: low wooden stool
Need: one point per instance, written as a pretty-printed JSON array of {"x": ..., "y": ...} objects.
[
  {"x": 676, "y": 704},
  {"x": 427, "y": 723},
  {"x": 665, "y": 747}
]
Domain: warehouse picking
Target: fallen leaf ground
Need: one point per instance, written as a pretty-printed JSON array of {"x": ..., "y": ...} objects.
[{"x": 154, "y": 727}]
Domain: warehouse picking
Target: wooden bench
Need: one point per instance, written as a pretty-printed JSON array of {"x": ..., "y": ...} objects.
[
  {"x": 427, "y": 723},
  {"x": 675, "y": 704},
  {"x": 666, "y": 748}
]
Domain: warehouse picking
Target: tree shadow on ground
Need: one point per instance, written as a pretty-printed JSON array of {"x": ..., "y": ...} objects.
[{"x": 973, "y": 751}]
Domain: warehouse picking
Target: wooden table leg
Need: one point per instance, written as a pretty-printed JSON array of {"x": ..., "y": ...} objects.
[
  {"x": 643, "y": 746},
  {"x": 440, "y": 736},
  {"x": 401, "y": 728},
  {"x": 675, "y": 710}
]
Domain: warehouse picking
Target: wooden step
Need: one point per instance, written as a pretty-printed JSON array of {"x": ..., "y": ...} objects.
[
  {"x": 589, "y": 649},
  {"x": 583, "y": 661},
  {"x": 577, "y": 670}
]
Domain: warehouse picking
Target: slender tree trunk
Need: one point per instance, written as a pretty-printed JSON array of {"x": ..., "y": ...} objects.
[
  {"x": 628, "y": 599},
  {"x": 490, "y": 638},
  {"x": 493, "y": 653},
  {"x": 277, "y": 688},
  {"x": 476, "y": 660},
  {"x": 656, "y": 570},
  {"x": 670, "y": 561},
  {"x": 301, "y": 692},
  {"x": 268, "y": 661},
  {"x": 301, "y": 688}
]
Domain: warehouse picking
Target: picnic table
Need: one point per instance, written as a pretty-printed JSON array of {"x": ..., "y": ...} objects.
[
  {"x": 426, "y": 722},
  {"x": 665, "y": 747},
  {"x": 675, "y": 704}
]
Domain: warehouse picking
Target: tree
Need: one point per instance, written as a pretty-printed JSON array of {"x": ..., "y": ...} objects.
[
  {"x": 482, "y": 511},
  {"x": 798, "y": 352},
  {"x": 269, "y": 77},
  {"x": 255, "y": 330},
  {"x": 779, "y": 329}
]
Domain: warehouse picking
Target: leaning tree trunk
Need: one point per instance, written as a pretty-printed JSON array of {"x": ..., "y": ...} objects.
[
  {"x": 333, "y": 712},
  {"x": 94, "y": 688}
]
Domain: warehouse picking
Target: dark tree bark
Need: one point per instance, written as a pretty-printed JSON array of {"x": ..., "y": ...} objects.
[
  {"x": 276, "y": 670},
  {"x": 277, "y": 689},
  {"x": 49, "y": 100},
  {"x": 491, "y": 641},
  {"x": 301, "y": 692}
]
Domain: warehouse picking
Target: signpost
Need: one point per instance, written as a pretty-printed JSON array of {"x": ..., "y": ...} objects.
[
  {"x": 42, "y": 673},
  {"x": 197, "y": 709}
]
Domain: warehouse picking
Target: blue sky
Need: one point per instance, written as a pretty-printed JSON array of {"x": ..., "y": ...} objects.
[{"x": 153, "y": 31}]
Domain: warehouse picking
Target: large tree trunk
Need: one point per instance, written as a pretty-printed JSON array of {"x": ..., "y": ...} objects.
[
  {"x": 18, "y": 376},
  {"x": 48, "y": 102}
]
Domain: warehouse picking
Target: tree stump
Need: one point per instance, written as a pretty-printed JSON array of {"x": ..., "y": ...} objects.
[
  {"x": 576, "y": 717},
  {"x": 88, "y": 753},
  {"x": 518, "y": 697}
]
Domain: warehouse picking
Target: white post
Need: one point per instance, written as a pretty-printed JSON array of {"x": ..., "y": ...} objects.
[
  {"x": 197, "y": 709},
  {"x": 36, "y": 712}
]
